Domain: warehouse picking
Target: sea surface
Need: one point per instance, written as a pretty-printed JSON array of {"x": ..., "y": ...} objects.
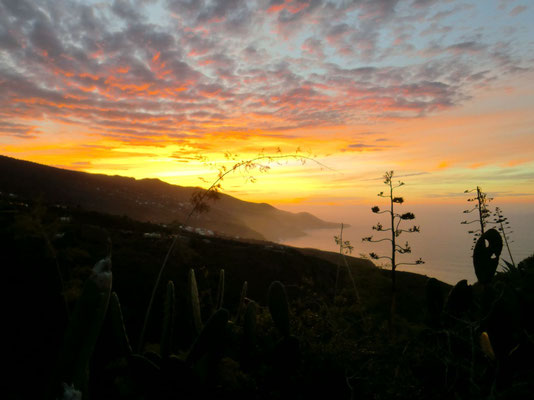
[{"x": 443, "y": 242}]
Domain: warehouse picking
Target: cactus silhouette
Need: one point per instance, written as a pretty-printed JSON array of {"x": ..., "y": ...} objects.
[
  {"x": 220, "y": 291},
  {"x": 486, "y": 255},
  {"x": 210, "y": 338},
  {"x": 194, "y": 303},
  {"x": 278, "y": 307},
  {"x": 168, "y": 321},
  {"x": 241, "y": 305},
  {"x": 459, "y": 299},
  {"x": 485, "y": 344},
  {"x": 84, "y": 328},
  {"x": 117, "y": 326},
  {"x": 249, "y": 325}
]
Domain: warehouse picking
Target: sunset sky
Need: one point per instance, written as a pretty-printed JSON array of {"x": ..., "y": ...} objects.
[{"x": 441, "y": 91}]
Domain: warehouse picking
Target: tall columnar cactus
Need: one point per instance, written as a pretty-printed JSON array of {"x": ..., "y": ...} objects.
[
  {"x": 286, "y": 353},
  {"x": 279, "y": 307},
  {"x": 486, "y": 255},
  {"x": 248, "y": 351},
  {"x": 220, "y": 291},
  {"x": 168, "y": 321},
  {"x": 241, "y": 305},
  {"x": 84, "y": 328},
  {"x": 249, "y": 325},
  {"x": 211, "y": 338},
  {"x": 485, "y": 344},
  {"x": 117, "y": 326},
  {"x": 194, "y": 303}
]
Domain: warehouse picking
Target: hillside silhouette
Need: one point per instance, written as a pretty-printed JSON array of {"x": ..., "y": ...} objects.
[
  {"x": 80, "y": 237},
  {"x": 332, "y": 342},
  {"x": 152, "y": 200}
]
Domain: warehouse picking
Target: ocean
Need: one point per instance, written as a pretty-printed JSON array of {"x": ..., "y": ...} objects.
[{"x": 443, "y": 242}]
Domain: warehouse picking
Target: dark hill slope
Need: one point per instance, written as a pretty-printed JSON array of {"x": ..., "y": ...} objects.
[
  {"x": 151, "y": 200},
  {"x": 328, "y": 324}
]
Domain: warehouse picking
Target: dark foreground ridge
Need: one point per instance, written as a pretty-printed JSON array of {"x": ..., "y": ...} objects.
[
  {"x": 152, "y": 200},
  {"x": 299, "y": 328}
]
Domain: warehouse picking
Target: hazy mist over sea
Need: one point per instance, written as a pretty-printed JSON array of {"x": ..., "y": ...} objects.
[{"x": 443, "y": 243}]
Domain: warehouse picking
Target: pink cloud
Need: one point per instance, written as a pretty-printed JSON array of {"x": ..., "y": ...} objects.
[{"x": 517, "y": 10}]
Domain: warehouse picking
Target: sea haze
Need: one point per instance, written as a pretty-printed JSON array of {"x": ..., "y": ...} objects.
[{"x": 443, "y": 243}]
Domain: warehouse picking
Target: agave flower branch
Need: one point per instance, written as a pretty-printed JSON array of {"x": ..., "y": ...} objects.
[
  {"x": 481, "y": 207},
  {"x": 503, "y": 227},
  {"x": 394, "y": 228},
  {"x": 396, "y": 231}
]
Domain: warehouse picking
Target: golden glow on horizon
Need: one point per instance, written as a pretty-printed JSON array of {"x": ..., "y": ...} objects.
[
  {"x": 442, "y": 155},
  {"x": 156, "y": 89}
]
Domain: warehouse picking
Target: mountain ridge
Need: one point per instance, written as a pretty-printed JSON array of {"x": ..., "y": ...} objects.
[{"x": 150, "y": 199}]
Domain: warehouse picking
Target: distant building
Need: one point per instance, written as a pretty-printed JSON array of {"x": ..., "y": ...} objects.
[{"x": 152, "y": 235}]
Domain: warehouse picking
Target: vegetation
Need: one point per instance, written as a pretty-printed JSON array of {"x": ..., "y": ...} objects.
[
  {"x": 200, "y": 197},
  {"x": 483, "y": 219},
  {"x": 345, "y": 248},
  {"x": 395, "y": 230},
  {"x": 502, "y": 224},
  {"x": 223, "y": 330},
  {"x": 490, "y": 315},
  {"x": 481, "y": 201}
]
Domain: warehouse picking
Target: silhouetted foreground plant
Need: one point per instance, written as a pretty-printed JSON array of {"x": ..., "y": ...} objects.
[
  {"x": 83, "y": 331},
  {"x": 345, "y": 248},
  {"x": 478, "y": 344},
  {"x": 486, "y": 255},
  {"x": 503, "y": 227},
  {"x": 219, "y": 346},
  {"x": 480, "y": 334},
  {"x": 394, "y": 227},
  {"x": 481, "y": 207},
  {"x": 395, "y": 220},
  {"x": 484, "y": 214},
  {"x": 199, "y": 200}
]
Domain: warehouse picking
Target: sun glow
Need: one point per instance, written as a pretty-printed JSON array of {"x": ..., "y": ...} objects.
[{"x": 172, "y": 99}]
